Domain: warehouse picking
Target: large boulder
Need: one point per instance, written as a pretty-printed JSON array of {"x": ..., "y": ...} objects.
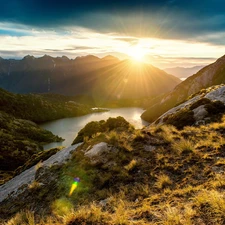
[{"x": 97, "y": 149}]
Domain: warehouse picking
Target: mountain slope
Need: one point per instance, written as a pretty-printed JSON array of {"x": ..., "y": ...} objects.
[
  {"x": 129, "y": 80},
  {"x": 40, "y": 108},
  {"x": 102, "y": 78},
  {"x": 212, "y": 74}
]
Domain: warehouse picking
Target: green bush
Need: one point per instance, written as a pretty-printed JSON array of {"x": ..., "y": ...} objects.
[
  {"x": 215, "y": 107},
  {"x": 200, "y": 102},
  {"x": 184, "y": 117},
  {"x": 95, "y": 127}
]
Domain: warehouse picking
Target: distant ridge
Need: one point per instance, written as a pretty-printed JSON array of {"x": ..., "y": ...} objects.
[{"x": 183, "y": 72}]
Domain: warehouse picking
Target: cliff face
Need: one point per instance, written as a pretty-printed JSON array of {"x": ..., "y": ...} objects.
[{"x": 210, "y": 75}]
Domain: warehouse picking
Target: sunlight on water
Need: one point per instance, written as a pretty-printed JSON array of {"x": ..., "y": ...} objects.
[{"x": 69, "y": 127}]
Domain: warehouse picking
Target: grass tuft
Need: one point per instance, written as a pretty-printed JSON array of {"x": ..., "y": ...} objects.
[
  {"x": 163, "y": 181},
  {"x": 183, "y": 146}
]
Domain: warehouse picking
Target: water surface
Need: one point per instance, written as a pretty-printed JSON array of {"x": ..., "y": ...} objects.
[{"x": 68, "y": 128}]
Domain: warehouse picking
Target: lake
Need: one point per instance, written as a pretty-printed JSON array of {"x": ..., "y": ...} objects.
[{"x": 68, "y": 128}]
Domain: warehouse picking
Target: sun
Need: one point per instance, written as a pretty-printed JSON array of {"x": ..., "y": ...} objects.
[{"x": 137, "y": 53}]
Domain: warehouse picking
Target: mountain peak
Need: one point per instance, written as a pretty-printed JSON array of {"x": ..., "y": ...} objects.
[
  {"x": 28, "y": 57},
  {"x": 65, "y": 58},
  {"x": 110, "y": 57},
  {"x": 46, "y": 57},
  {"x": 87, "y": 58}
]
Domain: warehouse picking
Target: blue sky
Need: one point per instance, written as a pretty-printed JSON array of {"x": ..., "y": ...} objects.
[{"x": 165, "y": 30}]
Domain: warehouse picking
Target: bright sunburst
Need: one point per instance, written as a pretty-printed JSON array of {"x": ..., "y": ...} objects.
[{"x": 137, "y": 53}]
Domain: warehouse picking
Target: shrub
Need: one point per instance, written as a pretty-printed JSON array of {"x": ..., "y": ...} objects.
[
  {"x": 95, "y": 127},
  {"x": 88, "y": 131},
  {"x": 215, "y": 107},
  {"x": 200, "y": 102},
  {"x": 184, "y": 117},
  {"x": 113, "y": 123}
]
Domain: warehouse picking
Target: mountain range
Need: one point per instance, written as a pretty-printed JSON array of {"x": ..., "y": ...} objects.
[
  {"x": 88, "y": 75},
  {"x": 183, "y": 72}
]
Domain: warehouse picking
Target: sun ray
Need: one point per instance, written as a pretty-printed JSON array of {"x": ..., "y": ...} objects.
[{"x": 137, "y": 53}]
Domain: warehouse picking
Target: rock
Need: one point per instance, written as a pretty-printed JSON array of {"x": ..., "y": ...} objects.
[
  {"x": 203, "y": 109},
  {"x": 217, "y": 95},
  {"x": 149, "y": 148},
  {"x": 177, "y": 109},
  {"x": 28, "y": 176},
  {"x": 99, "y": 154},
  {"x": 104, "y": 202},
  {"x": 200, "y": 112},
  {"x": 217, "y": 169},
  {"x": 97, "y": 149}
]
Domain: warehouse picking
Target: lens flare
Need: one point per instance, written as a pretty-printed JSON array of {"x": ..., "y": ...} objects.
[
  {"x": 74, "y": 185},
  {"x": 62, "y": 206}
]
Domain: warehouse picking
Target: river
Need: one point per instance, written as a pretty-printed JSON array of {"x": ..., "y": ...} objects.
[{"x": 68, "y": 128}]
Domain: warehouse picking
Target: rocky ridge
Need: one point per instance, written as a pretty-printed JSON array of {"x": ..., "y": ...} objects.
[
  {"x": 199, "y": 109},
  {"x": 212, "y": 74}
]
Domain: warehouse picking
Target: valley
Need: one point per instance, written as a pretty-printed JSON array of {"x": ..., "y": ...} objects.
[
  {"x": 158, "y": 159},
  {"x": 112, "y": 112}
]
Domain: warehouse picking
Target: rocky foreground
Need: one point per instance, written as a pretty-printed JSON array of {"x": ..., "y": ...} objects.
[{"x": 158, "y": 175}]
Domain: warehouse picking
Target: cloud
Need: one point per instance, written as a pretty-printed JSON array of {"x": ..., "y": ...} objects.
[
  {"x": 81, "y": 48},
  {"x": 159, "y": 18},
  {"x": 167, "y": 28},
  {"x": 168, "y": 62},
  {"x": 130, "y": 40}
]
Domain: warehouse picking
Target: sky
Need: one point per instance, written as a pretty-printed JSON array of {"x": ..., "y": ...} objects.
[{"x": 167, "y": 33}]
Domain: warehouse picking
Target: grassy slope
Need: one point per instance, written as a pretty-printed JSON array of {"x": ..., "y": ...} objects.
[{"x": 179, "y": 179}]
